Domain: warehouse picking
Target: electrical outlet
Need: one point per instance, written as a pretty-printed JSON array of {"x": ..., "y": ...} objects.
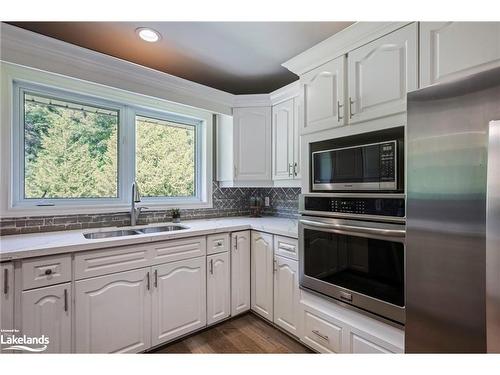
[{"x": 266, "y": 202}]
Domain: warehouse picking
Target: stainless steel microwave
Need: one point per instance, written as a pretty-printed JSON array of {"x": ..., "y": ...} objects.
[{"x": 365, "y": 167}]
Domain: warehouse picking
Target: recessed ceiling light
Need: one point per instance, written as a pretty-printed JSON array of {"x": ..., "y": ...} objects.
[{"x": 147, "y": 34}]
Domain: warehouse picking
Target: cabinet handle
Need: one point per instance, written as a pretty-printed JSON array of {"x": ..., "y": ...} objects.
[
  {"x": 48, "y": 271},
  {"x": 338, "y": 111},
  {"x": 6, "y": 281},
  {"x": 236, "y": 242},
  {"x": 275, "y": 267},
  {"x": 147, "y": 281},
  {"x": 290, "y": 173},
  {"x": 156, "y": 278},
  {"x": 211, "y": 266},
  {"x": 65, "y": 299},
  {"x": 316, "y": 332},
  {"x": 235, "y": 171},
  {"x": 351, "y": 113},
  {"x": 218, "y": 244},
  {"x": 295, "y": 169}
]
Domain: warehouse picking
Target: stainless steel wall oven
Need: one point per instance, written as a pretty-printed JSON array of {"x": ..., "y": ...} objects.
[{"x": 352, "y": 249}]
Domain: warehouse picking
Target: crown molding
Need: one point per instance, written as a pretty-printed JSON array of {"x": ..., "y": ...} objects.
[
  {"x": 287, "y": 92},
  {"x": 339, "y": 44},
  {"x": 252, "y": 100},
  {"x": 30, "y": 49}
]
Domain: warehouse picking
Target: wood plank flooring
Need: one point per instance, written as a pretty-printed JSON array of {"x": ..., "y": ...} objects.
[{"x": 243, "y": 334}]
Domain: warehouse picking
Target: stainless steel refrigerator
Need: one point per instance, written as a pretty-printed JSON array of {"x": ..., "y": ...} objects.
[{"x": 453, "y": 217}]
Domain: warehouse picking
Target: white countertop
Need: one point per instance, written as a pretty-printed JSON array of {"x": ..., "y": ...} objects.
[{"x": 41, "y": 244}]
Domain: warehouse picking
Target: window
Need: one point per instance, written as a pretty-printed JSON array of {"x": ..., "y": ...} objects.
[
  {"x": 165, "y": 158},
  {"x": 76, "y": 150},
  {"x": 70, "y": 149}
]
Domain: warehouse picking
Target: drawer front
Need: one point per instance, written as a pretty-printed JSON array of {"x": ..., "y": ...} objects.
[
  {"x": 46, "y": 271},
  {"x": 102, "y": 262},
  {"x": 320, "y": 334},
  {"x": 174, "y": 250},
  {"x": 286, "y": 247},
  {"x": 217, "y": 243}
]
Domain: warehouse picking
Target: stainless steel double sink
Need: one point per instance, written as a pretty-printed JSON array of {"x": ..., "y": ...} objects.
[{"x": 132, "y": 232}]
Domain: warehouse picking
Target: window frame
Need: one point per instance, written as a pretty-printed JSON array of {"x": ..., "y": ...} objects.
[{"x": 20, "y": 80}]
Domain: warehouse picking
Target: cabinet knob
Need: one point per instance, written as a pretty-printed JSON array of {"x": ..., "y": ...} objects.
[{"x": 48, "y": 272}]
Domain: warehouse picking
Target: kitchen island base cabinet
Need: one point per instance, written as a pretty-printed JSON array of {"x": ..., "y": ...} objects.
[
  {"x": 218, "y": 287},
  {"x": 286, "y": 294},
  {"x": 113, "y": 313},
  {"x": 262, "y": 274},
  {"x": 47, "y": 311},
  {"x": 240, "y": 272},
  {"x": 179, "y": 299}
]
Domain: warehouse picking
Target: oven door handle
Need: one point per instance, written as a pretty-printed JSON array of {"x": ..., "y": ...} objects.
[{"x": 355, "y": 229}]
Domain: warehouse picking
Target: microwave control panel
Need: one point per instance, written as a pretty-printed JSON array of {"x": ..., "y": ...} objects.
[
  {"x": 359, "y": 206},
  {"x": 387, "y": 161}
]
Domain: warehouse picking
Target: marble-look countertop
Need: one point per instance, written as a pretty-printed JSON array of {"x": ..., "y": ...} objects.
[{"x": 41, "y": 244}]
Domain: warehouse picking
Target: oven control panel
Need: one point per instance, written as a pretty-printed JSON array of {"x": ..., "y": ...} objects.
[{"x": 353, "y": 205}]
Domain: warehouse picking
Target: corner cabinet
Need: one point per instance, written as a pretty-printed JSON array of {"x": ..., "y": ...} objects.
[
  {"x": 324, "y": 96},
  {"x": 450, "y": 50},
  {"x": 262, "y": 274},
  {"x": 285, "y": 135},
  {"x": 240, "y": 272},
  {"x": 380, "y": 74}
]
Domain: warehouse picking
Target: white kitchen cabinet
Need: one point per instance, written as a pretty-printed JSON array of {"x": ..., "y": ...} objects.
[
  {"x": 218, "y": 287},
  {"x": 286, "y": 294},
  {"x": 380, "y": 74},
  {"x": 262, "y": 274},
  {"x": 324, "y": 96},
  {"x": 240, "y": 272},
  {"x": 113, "y": 313},
  {"x": 179, "y": 299},
  {"x": 449, "y": 50},
  {"x": 7, "y": 298},
  {"x": 285, "y": 135},
  {"x": 247, "y": 161},
  {"x": 47, "y": 311}
]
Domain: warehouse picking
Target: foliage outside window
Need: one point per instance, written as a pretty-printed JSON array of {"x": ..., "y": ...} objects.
[{"x": 165, "y": 158}]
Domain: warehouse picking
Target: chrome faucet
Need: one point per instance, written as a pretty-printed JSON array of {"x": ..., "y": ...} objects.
[{"x": 136, "y": 198}]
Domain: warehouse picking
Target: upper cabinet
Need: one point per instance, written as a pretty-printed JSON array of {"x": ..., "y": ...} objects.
[
  {"x": 244, "y": 147},
  {"x": 380, "y": 74},
  {"x": 324, "y": 96},
  {"x": 285, "y": 135},
  {"x": 452, "y": 49}
]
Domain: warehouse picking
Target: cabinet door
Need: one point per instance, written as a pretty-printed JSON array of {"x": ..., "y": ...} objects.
[
  {"x": 452, "y": 49},
  {"x": 286, "y": 294},
  {"x": 252, "y": 143},
  {"x": 380, "y": 75},
  {"x": 298, "y": 111},
  {"x": 113, "y": 313},
  {"x": 179, "y": 299},
  {"x": 218, "y": 287},
  {"x": 240, "y": 272},
  {"x": 262, "y": 274},
  {"x": 283, "y": 140},
  {"x": 7, "y": 298},
  {"x": 324, "y": 96},
  {"x": 47, "y": 311}
]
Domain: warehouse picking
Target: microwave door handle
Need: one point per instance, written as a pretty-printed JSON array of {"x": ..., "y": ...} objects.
[{"x": 355, "y": 229}]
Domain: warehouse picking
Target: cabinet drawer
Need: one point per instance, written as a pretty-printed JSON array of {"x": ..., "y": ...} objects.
[
  {"x": 286, "y": 247},
  {"x": 102, "y": 262},
  {"x": 46, "y": 271},
  {"x": 174, "y": 250},
  {"x": 323, "y": 335},
  {"x": 217, "y": 243}
]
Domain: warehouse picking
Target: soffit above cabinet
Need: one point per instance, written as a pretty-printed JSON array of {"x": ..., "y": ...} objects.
[{"x": 236, "y": 57}]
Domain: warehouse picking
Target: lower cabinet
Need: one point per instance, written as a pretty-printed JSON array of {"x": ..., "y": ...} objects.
[
  {"x": 218, "y": 287},
  {"x": 286, "y": 294},
  {"x": 179, "y": 299},
  {"x": 7, "y": 296},
  {"x": 113, "y": 313},
  {"x": 47, "y": 311},
  {"x": 240, "y": 272},
  {"x": 321, "y": 332},
  {"x": 262, "y": 274}
]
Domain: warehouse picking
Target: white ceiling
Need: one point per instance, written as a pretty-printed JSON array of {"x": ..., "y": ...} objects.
[{"x": 237, "y": 57}]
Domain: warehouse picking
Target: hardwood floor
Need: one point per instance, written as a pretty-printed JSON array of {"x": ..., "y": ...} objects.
[{"x": 243, "y": 334}]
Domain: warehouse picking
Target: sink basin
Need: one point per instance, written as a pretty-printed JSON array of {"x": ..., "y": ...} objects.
[
  {"x": 164, "y": 228},
  {"x": 114, "y": 233}
]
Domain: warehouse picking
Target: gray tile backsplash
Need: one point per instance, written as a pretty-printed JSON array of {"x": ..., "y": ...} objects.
[{"x": 226, "y": 202}]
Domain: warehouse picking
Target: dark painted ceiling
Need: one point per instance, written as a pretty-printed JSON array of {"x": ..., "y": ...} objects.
[{"x": 237, "y": 57}]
